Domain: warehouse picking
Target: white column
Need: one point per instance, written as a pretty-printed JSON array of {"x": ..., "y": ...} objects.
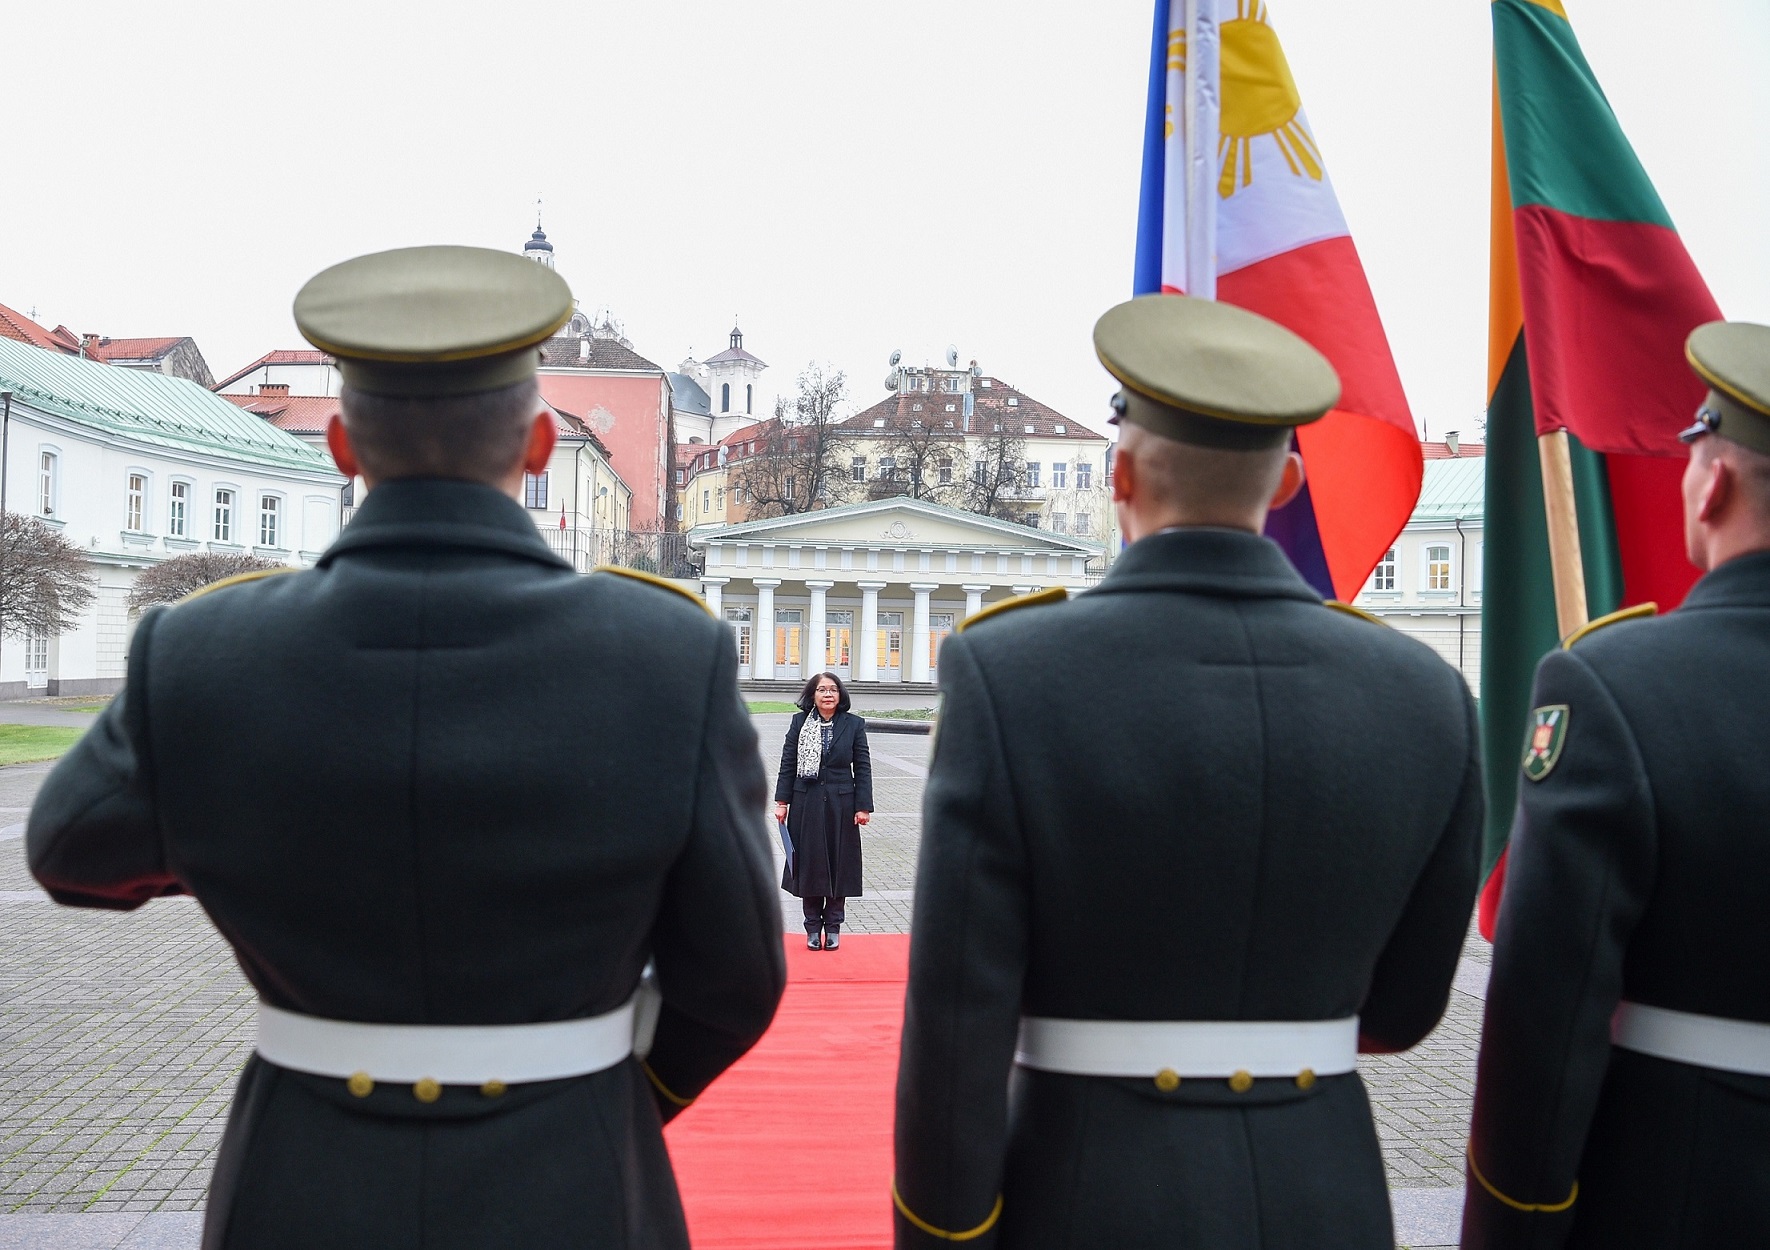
[
  {"x": 1021, "y": 590},
  {"x": 919, "y": 643},
  {"x": 762, "y": 655},
  {"x": 713, "y": 590},
  {"x": 974, "y": 599},
  {"x": 815, "y": 658},
  {"x": 868, "y": 668}
]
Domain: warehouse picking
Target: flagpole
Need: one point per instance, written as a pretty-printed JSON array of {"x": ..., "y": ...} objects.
[
  {"x": 1203, "y": 106},
  {"x": 1564, "y": 553}
]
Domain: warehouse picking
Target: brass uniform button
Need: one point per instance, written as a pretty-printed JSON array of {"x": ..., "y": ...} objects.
[
  {"x": 426, "y": 1090},
  {"x": 1306, "y": 1078},
  {"x": 1242, "y": 1081},
  {"x": 1167, "y": 1080},
  {"x": 360, "y": 1084},
  {"x": 493, "y": 1089}
]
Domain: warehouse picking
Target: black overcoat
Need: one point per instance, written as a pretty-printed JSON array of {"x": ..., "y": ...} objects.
[
  {"x": 1639, "y": 869},
  {"x": 820, "y": 816},
  {"x": 1193, "y": 793},
  {"x": 442, "y": 779}
]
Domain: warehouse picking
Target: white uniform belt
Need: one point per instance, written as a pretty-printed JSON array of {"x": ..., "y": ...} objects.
[
  {"x": 446, "y": 1053},
  {"x": 1703, "y": 1041},
  {"x": 1189, "y": 1048}
]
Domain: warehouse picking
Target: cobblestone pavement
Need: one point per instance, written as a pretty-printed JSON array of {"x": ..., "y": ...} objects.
[{"x": 123, "y": 1035}]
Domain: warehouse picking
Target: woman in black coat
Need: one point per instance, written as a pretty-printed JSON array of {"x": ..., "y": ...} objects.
[{"x": 824, "y": 794}]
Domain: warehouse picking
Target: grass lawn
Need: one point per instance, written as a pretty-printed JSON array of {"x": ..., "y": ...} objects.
[
  {"x": 773, "y": 705},
  {"x": 901, "y": 713},
  {"x": 23, "y": 744}
]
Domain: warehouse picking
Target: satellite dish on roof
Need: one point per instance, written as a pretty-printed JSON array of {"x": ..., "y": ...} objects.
[
  {"x": 952, "y": 357},
  {"x": 891, "y": 380},
  {"x": 895, "y": 357}
]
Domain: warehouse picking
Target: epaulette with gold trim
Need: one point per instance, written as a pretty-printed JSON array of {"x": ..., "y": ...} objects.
[
  {"x": 652, "y": 579},
  {"x": 1640, "y": 612},
  {"x": 1055, "y": 594},
  {"x": 1360, "y": 613},
  {"x": 236, "y": 580}
]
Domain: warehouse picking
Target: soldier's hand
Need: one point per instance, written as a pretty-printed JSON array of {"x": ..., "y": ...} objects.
[
  {"x": 780, "y": 811},
  {"x": 861, "y": 818}
]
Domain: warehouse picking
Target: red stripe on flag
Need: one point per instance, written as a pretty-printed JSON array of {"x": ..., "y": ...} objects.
[
  {"x": 1647, "y": 507},
  {"x": 1363, "y": 459},
  {"x": 1607, "y": 307}
]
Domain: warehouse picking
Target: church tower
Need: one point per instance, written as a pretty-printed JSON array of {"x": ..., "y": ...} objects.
[{"x": 733, "y": 382}]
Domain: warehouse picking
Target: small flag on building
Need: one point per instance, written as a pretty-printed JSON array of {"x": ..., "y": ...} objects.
[
  {"x": 1276, "y": 243},
  {"x": 1592, "y": 297}
]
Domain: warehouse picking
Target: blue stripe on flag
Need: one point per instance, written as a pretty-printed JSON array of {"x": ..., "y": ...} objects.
[
  {"x": 1294, "y": 529},
  {"x": 1148, "y": 277}
]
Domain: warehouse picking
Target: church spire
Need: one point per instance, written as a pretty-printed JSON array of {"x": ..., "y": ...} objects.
[{"x": 537, "y": 248}]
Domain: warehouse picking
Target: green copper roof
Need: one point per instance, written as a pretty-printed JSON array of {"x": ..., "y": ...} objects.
[
  {"x": 148, "y": 408},
  {"x": 1453, "y": 489}
]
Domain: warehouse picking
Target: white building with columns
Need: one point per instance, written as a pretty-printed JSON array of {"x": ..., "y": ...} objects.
[{"x": 871, "y": 590}]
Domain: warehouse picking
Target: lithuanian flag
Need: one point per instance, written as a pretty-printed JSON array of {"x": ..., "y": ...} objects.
[{"x": 1592, "y": 297}]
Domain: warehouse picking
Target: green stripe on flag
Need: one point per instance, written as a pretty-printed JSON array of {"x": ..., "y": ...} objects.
[
  {"x": 1564, "y": 145},
  {"x": 1518, "y": 625}
]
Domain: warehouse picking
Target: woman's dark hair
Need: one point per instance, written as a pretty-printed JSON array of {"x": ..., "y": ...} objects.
[{"x": 808, "y": 696}]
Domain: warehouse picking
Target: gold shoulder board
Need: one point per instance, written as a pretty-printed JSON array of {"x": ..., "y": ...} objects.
[
  {"x": 652, "y": 579},
  {"x": 1055, "y": 594},
  {"x": 236, "y": 580},
  {"x": 1360, "y": 613},
  {"x": 1640, "y": 612}
]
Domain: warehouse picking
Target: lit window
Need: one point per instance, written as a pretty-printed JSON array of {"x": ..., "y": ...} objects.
[
  {"x": 224, "y": 516},
  {"x": 46, "y": 484},
  {"x": 1084, "y": 475},
  {"x": 940, "y": 627},
  {"x": 178, "y": 511},
  {"x": 1033, "y": 469},
  {"x": 1438, "y": 568},
  {"x": 534, "y": 490},
  {"x": 1384, "y": 576},
  {"x": 1059, "y": 476},
  {"x": 137, "y": 499},
  {"x": 857, "y": 468},
  {"x": 270, "y": 510}
]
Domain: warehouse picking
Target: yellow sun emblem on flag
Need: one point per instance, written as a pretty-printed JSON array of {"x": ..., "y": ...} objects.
[{"x": 1260, "y": 99}]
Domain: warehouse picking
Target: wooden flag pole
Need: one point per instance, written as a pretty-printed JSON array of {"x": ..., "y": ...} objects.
[{"x": 1564, "y": 553}]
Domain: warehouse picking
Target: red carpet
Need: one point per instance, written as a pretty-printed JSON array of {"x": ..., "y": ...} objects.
[{"x": 792, "y": 1147}]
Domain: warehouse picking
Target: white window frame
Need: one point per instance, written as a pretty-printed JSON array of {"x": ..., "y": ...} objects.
[
  {"x": 48, "y": 480},
  {"x": 1084, "y": 475},
  {"x": 1427, "y": 573},
  {"x": 233, "y": 514},
  {"x": 1034, "y": 472},
  {"x": 857, "y": 468},
  {"x": 1383, "y": 576},
  {"x": 1059, "y": 475},
  {"x": 135, "y": 505},
  {"x": 178, "y": 511},
  {"x": 270, "y": 507}
]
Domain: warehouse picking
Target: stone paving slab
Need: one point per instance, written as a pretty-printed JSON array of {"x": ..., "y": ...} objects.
[{"x": 124, "y": 1035}]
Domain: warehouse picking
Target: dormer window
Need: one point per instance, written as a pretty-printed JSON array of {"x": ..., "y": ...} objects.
[
  {"x": 878, "y": 423},
  {"x": 952, "y": 407},
  {"x": 1013, "y": 401},
  {"x": 1062, "y": 429}
]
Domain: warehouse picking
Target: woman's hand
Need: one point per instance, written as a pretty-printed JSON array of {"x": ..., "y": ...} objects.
[
  {"x": 780, "y": 812},
  {"x": 861, "y": 818}
]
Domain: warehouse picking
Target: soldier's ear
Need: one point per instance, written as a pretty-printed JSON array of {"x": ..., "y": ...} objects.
[
  {"x": 338, "y": 443},
  {"x": 543, "y": 436},
  {"x": 1290, "y": 484}
]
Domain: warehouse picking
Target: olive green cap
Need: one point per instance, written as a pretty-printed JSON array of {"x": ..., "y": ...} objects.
[
  {"x": 1206, "y": 372},
  {"x": 1733, "y": 357},
  {"x": 431, "y": 321}
]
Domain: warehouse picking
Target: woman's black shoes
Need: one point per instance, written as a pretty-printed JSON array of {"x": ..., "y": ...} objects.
[
  {"x": 814, "y": 941},
  {"x": 831, "y": 940}
]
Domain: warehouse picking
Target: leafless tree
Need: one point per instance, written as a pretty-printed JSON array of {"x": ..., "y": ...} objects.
[
  {"x": 171, "y": 580},
  {"x": 45, "y": 582},
  {"x": 926, "y": 461},
  {"x": 796, "y": 467},
  {"x": 998, "y": 471}
]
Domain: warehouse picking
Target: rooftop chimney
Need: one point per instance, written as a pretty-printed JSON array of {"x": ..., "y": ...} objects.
[
  {"x": 1451, "y": 443},
  {"x": 583, "y": 349},
  {"x": 274, "y": 390}
]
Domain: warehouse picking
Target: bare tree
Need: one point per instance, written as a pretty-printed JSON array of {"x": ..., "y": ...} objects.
[
  {"x": 45, "y": 582},
  {"x": 920, "y": 459},
  {"x": 796, "y": 466},
  {"x": 171, "y": 580},
  {"x": 998, "y": 471}
]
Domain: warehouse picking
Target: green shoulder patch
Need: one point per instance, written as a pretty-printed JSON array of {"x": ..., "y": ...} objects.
[
  {"x": 1349, "y": 610},
  {"x": 1640, "y": 611},
  {"x": 238, "y": 579},
  {"x": 1055, "y": 594},
  {"x": 652, "y": 579},
  {"x": 1548, "y": 733}
]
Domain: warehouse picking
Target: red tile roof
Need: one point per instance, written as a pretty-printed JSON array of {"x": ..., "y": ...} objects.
[
  {"x": 284, "y": 356},
  {"x": 994, "y": 401},
  {"x": 298, "y": 414},
  {"x": 1442, "y": 451},
  {"x": 108, "y": 350},
  {"x": 20, "y": 328}
]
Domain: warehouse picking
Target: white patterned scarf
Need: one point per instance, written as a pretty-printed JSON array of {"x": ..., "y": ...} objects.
[{"x": 811, "y": 745}]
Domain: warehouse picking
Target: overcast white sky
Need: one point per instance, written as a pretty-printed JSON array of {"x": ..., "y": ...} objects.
[{"x": 845, "y": 178}]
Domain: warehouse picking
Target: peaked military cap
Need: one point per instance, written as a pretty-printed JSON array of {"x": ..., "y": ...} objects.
[
  {"x": 1733, "y": 357},
  {"x": 428, "y": 321},
  {"x": 1210, "y": 373}
]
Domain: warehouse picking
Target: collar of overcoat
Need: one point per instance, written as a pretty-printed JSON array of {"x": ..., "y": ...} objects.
[
  {"x": 1742, "y": 582},
  {"x": 442, "y": 512},
  {"x": 1207, "y": 561}
]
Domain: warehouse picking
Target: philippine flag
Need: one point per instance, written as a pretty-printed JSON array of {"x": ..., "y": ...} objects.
[{"x": 1283, "y": 250}]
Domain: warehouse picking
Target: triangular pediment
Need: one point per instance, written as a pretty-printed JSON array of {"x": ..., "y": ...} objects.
[{"x": 897, "y": 522}]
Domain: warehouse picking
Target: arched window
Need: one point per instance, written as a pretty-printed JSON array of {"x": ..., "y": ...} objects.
[
  {"x": 725, "y": 397},
  {"x": 749, "y": 400}
]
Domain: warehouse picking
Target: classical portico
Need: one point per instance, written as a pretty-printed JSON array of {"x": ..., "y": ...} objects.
[{"x": 869, "y": 591}]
